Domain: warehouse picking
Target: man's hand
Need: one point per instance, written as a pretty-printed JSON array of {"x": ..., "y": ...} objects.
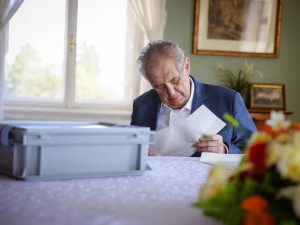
[
  {"x": 213, "y": 143},
  {"x": 151, "y": 153}
]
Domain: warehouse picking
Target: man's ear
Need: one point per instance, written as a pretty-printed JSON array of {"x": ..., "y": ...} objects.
[{"x": 187, "y": 66}]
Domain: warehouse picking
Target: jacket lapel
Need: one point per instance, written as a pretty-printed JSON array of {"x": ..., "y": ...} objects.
[
  {"x": 156, "y": 110},
  {"x": 200, "y": 96}
]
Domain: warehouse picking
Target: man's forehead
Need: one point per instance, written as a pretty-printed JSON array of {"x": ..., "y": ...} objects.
[
  {"x": 161, "y": 67},
  {"x": 160, "y": 62}
]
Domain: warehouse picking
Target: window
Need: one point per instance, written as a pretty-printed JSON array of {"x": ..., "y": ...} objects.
[
  {"x": 36, "y": 51},
  {"x": 100, "y": 60},
  {"x": 68, "y": 55}
]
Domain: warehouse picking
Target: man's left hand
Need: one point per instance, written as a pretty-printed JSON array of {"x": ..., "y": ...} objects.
[{"x": 212, "y": 143}]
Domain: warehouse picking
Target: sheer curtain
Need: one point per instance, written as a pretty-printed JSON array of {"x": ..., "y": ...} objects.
[
  {"x": 147, "y": 21},
  {"x": 7, "y": 10}
]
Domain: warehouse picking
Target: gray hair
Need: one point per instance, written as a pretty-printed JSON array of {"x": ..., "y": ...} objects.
[{"x": 164, "y": 48}]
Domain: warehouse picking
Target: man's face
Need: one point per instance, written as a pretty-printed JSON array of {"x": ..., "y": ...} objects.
[{"x": 171, "y": 85}]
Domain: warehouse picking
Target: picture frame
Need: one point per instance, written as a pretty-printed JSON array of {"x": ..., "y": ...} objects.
[
  {"x": 267, "y": 97},
  {"x": 237, "y": 28}
]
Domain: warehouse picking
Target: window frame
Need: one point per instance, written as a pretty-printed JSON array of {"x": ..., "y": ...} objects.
[{"x": 26, "y": 108}]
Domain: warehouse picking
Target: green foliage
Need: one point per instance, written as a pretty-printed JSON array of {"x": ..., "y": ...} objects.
[
  {"x": 235, "y": 124},
  {"x": 239, "y": 82},
  {"x": 225, "y": 206},
  {"x": 231, "y": 120},
  {"x": 30, "y": 77},
  {"x": 283, "y": 217}
]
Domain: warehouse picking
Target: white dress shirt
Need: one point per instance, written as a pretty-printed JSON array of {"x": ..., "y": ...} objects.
[{"x": 168, "y": 116}]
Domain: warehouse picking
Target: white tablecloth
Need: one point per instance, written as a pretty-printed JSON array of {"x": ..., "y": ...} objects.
[{"x": 161, "y": 196}]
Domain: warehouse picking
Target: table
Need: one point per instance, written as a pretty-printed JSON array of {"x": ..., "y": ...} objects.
[
  {"x": 161, "y": 196},
  {"x": 259, "y": 117}
]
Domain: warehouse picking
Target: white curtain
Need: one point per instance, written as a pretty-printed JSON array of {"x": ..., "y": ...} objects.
[
  {"x": 7, "y": 10},
  {"x": 147, "y": 22}
]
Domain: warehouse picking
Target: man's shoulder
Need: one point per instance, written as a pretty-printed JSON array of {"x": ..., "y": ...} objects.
[
  {"x": 219, "y": 88},
  {"x": 209, "y": 88}
]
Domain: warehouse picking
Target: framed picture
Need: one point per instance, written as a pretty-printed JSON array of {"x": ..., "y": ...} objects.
[
  {"x": 237, "y": 28},
  {"x": 267, "y": 97}
]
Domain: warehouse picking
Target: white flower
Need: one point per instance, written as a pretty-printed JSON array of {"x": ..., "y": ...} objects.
[
  {"x": 278, "y": 121},
  {"x": 260, "y": 137},
  {"x": 293, "y": 193},
  {"x": 274, "y": 153},
  {"x": 288, "y": 165},
  {"x": 296, "y": 138},
  {"x": 216, "y": 180}
]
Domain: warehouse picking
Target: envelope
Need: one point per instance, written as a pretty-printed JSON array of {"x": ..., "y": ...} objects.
[{"x": 229, "y": 161}]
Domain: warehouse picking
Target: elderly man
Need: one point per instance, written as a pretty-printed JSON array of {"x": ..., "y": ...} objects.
[{"x": 176, "y": 94}]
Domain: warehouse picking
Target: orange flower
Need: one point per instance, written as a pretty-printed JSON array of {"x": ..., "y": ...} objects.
[
  {"x": 273, "y": 132},
  {"x": 262, "y": 218},
  {"x": 254, "y": 203},
  {"x": 255, "y": 211},
  {"x": 296, "y": 126}
]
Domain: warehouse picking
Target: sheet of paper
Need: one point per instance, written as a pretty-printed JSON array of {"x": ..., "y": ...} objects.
[
  {"x": 230, "y": 161},
  {"x": 178, "y": 139}
]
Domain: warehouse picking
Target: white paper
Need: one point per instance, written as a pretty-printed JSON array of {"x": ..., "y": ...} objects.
[
  {"x": 179, "y": 138},
  {"x": 230, "y": 161}
]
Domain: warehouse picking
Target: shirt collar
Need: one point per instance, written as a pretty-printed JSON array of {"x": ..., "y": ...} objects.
[{"x": 189, "y": 103}]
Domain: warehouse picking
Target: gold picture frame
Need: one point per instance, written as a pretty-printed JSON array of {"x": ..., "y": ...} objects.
[
  {"x": 266, "y": 97},
  {"x": 237, "y": 28}
]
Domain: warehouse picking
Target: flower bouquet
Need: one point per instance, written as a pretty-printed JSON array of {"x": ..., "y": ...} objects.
[{"x": 265, "y": 188}]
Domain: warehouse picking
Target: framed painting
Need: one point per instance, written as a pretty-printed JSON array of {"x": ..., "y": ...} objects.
[
  {"x": 237, "y": 28},
  {"x": 267, "y": 97}
]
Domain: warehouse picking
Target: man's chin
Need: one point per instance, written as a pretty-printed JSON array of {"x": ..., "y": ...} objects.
[{"x": 175, "y": 106}]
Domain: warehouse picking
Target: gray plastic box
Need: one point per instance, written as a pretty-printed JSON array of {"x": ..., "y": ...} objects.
[{"x": 59, "y": 150}]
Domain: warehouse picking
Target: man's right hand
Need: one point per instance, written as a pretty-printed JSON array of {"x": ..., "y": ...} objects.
[{"x": 151, "y": 153}]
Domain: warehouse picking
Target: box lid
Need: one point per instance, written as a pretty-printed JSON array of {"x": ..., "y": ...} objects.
[{"x": 69, "y": 132}]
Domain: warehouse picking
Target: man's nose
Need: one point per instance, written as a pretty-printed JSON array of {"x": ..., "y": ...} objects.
[{"x": 170, "y": 89}]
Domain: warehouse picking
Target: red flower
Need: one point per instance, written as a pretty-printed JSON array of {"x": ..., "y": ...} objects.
[{"x": 257, "y": 155}]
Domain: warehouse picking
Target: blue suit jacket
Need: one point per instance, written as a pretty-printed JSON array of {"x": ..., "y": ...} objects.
[{"x": 218, "y": 99}]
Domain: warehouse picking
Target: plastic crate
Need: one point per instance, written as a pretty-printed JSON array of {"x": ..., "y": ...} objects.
[{"x": 60, "y": 150}]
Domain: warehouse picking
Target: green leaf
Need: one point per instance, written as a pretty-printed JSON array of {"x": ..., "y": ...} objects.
[{"x": 231, "y": 120}]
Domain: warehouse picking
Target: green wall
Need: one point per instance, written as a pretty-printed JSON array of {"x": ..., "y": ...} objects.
[{"x": 282, "y": 70}]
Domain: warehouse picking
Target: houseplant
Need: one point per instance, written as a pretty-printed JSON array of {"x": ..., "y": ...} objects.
[{"x": 240, "y": 81}]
